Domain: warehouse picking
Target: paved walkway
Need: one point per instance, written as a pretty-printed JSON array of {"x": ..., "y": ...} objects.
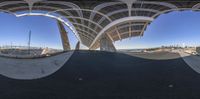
[
  {"x": 155, "y": 55},
  {"x": 32, "y": 68},
  {"x": 103, "y": 75},
  {"x": 192, "y": 60}
]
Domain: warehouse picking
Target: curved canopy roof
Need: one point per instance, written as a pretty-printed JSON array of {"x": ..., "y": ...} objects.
[{"x": 120, "y": 19}]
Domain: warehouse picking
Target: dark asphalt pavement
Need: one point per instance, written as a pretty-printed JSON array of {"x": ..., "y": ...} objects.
[{"x": 103, "y": 75}]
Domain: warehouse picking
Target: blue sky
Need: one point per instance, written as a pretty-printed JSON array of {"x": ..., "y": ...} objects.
[
  {"x": 44, "y": 30},
  {"x": 167, "y": 29}
]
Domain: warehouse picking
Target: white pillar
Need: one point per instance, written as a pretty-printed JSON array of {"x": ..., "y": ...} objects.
[
  {"x": 106, "y": 44},
  {"x": 77, "y": 46},
  {"x": 64, "y": 36}
]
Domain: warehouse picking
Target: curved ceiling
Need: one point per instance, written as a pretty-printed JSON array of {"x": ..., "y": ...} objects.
[{"x": 120, "y": 19}]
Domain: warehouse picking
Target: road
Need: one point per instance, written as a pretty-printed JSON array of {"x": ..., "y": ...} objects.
[{"x": 104, "y": 75}]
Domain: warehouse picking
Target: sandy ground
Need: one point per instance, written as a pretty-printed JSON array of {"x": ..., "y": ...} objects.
[{"x": 32, "y": 68}]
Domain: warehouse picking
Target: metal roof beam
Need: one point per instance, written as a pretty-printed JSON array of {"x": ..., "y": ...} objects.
[{"x": 132, "y": 18}]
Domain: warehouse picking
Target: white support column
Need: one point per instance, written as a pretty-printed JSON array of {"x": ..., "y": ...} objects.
[
  {"x": 142, "y": 32},
  {"x": 129, "y": 29},
  {"x": 31, "y": 3},
  {"x": 118, "y": 33},
  {"x": 64, "y": 36},
  {"x": 77, "y": 46},
  {"x": 106, "y": 44},
  {"x": 133, "y": 18},
  {"x": 110, "y": 37}
]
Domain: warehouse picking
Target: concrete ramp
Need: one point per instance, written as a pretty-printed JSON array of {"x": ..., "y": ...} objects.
[
  {"x": 192, "y": 60},
  {"x": 27, "y": 69}
]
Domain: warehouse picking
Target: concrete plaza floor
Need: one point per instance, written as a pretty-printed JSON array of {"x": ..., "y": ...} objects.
[{"x": 104, "y": 75}]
